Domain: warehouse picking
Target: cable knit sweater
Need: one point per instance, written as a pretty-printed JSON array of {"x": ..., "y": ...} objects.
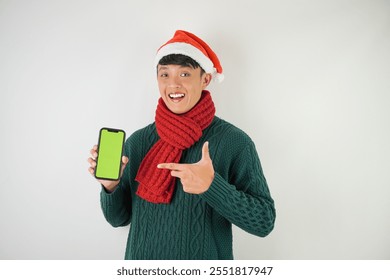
[{"x": 194, "y": 226}]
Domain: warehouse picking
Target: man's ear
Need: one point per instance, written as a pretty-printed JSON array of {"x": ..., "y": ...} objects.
[{"x": 206, "y": 79}]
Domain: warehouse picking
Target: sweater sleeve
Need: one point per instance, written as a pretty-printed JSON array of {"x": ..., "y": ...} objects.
[
  {"x": 245, "y": 200},
  {"x": 116, "y": 206}
]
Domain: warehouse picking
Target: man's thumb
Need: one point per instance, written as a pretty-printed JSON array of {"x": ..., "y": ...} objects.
[
  {"x": 125, "y": 160},
  {"x": 205, "y": 151}
]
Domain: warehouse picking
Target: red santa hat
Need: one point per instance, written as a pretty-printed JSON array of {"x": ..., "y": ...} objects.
[{"x": 188, "y": 44}]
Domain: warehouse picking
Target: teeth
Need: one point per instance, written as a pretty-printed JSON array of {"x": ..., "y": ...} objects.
[{"x": 176, "y": 95}]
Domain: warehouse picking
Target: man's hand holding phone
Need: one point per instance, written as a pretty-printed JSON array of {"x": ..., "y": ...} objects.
[
  {"x": 109, "y": 185},
  {"x": 107, "y": 160}
]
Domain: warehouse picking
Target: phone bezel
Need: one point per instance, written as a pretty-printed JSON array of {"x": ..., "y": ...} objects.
[{"x": 116, "y": 130}]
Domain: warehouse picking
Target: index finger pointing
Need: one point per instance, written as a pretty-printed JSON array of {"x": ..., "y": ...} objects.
[{"x": 170, "y": 166}]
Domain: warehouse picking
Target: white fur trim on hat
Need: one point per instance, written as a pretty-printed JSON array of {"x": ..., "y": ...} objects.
[{"x": 191, "y": 51}]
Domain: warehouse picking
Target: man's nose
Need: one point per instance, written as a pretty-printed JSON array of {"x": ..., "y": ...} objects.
[{"x": 174, "y": 82}]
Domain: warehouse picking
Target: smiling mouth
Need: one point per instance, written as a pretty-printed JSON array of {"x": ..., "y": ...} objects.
[{"x": 176, "y": 96}]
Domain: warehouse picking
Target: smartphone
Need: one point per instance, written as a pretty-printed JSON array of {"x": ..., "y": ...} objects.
[{"x": 110, "y": 151}]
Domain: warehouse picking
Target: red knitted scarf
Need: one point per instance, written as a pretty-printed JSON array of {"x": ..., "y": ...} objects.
[{"x": 177, "y": 133}]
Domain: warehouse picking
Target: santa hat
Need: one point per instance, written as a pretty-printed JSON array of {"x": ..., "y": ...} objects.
[{"x": 188, "y": 44}]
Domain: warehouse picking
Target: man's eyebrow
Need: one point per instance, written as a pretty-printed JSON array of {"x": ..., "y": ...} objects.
[{"x": 164, "y": 67}]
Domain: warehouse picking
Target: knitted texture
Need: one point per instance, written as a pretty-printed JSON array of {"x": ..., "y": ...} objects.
[
  {"x": 194, "y": 226},
  {"x": 177, "y": 132}
]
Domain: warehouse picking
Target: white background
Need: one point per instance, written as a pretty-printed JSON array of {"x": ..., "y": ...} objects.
[{"x": 309, "y": 81}]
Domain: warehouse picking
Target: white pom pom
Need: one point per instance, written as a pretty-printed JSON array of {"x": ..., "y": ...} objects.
[{"x": 219, "y": 77}]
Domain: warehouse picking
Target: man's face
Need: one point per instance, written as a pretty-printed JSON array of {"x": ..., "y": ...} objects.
[{"x": 181, "y": 86}]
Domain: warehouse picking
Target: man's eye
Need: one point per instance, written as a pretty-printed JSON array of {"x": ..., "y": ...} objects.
[
  {"x": 163, "y": 75},
  {"x": 185, "y": 74}
]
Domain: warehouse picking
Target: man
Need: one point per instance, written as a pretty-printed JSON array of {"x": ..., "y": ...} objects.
[{"x": 190, "y": 175}]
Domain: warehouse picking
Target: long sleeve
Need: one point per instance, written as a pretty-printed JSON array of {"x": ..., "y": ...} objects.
[
  {"x": 116, "y": 206},
  {"x": 193, "y": 226},
  {"x": 243, "y": 197}
]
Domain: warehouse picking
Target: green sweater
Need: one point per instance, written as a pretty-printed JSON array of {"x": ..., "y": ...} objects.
[{"x": 194, "y": 226}]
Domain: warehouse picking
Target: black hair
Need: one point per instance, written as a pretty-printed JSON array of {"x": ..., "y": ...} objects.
[{"x": 182, "y": 60}]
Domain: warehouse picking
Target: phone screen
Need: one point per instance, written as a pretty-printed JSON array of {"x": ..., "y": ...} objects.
[{"x": 110, "y": 148}]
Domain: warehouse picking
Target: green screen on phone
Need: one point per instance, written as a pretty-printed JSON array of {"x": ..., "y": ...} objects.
[{"x": 109, "y": 154}]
